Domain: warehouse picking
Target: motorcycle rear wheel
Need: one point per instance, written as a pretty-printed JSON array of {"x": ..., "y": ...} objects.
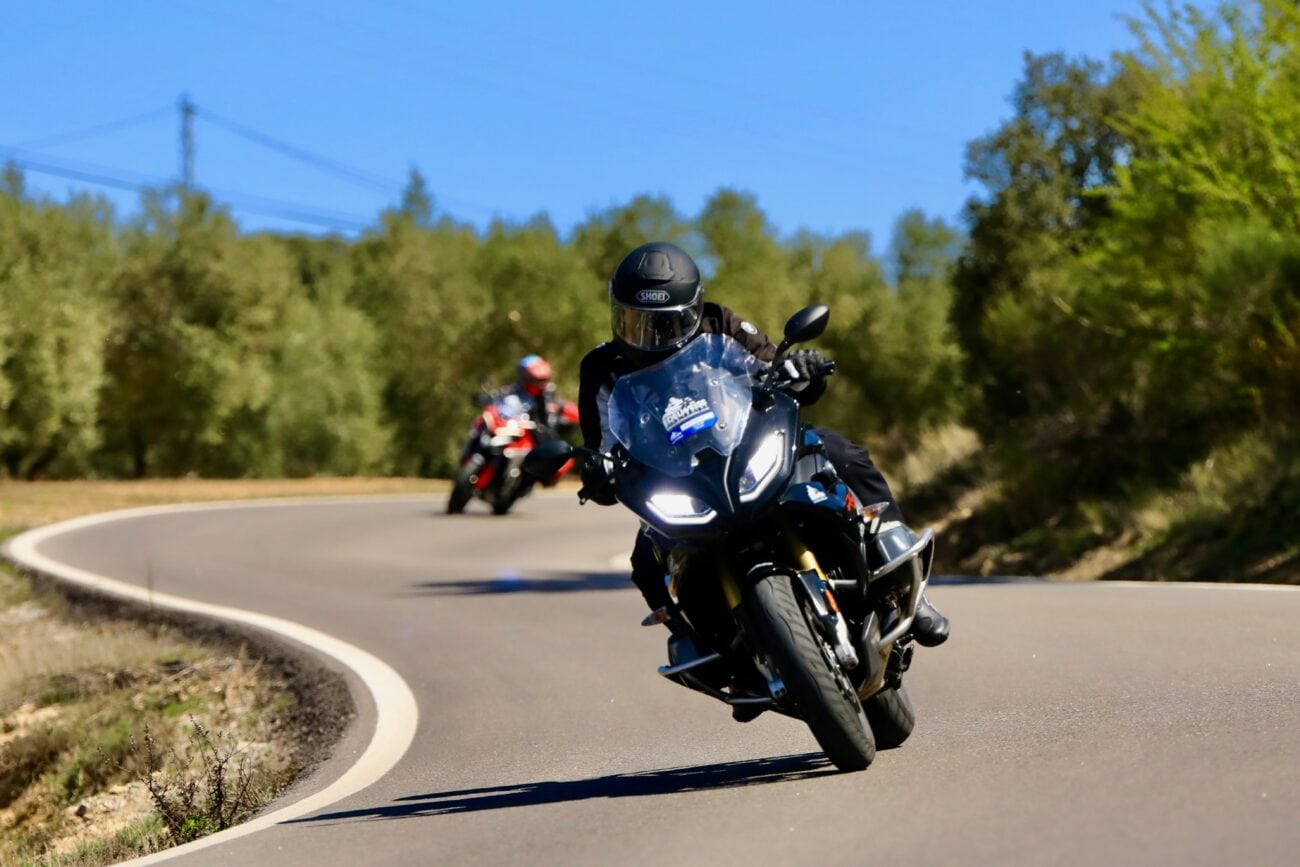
[
  {"x": 503, "y": 503},
  {"x": 891, "y": 715},
  {"x": 824, "y": 698}
]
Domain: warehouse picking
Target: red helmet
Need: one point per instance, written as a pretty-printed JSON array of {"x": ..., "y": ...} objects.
[{"x": 534, "y": 374}]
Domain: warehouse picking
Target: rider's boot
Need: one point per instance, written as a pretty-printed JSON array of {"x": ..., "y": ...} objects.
[
  {"x": 748, "y": 682},
  {"x": 930, "y": 628}
]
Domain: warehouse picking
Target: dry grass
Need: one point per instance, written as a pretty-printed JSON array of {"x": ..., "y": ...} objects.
[
  {"x": 46, "y": 651},
  {"x": 31, "y": 504},
  {"x": 75, "y": 777}
]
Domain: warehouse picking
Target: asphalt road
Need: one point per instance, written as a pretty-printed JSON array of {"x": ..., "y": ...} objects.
[{"x": 1061, "y": 724}]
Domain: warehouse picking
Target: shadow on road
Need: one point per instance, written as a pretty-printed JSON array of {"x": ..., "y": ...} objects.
[
  {"x": 574, "y": 582},
  {"x": 723, "y": 775},
  {"x": 555, "y": 582},
  {"x": 972, "y": 580}
]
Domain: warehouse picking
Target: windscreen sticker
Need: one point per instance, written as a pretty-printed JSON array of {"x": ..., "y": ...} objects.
[{"x": 685, "y": 417}]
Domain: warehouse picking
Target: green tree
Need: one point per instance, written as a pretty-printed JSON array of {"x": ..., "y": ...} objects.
[
  {"x": 417, "y": 201},
  {"x": 1045, "y": 172},
  {"x": 55, "y": 264},
  {"x": 604, "y": 238},
  {"x": 196, "y": 321},
  {"x": 750, "y": 270},
  {"x": 540, "y": 298},
  {"x": 420, "y": 289},
  {"x": 325, "y": 407}
]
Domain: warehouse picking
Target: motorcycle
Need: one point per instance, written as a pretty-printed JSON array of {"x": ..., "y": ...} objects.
[
  {"x": 500, "y": 438},
  {"x": 788, "y": 594}
]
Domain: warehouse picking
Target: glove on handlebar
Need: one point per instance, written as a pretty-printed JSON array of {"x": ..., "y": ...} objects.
[
  {"x": 810, "y": 368},
  {"x": 597, "y": 483},
  {"x": 809, "y": 364}
]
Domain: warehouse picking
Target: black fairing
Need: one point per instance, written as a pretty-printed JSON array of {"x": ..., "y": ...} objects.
[
  {"x": 803, "y": 482},
  {"x": 716, "y": 479}
]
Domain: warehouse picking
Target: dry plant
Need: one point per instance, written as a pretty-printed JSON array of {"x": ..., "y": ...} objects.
[{"x": 193, "y": 805}]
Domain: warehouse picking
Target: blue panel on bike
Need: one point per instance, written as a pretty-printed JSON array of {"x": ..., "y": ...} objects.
[{"x": 690, "y": 427}]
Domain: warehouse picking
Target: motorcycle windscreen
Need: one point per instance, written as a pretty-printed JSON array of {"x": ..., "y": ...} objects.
[{"x": 697, "y": 398}]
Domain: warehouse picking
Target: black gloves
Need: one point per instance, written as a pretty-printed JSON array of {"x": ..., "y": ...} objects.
[
  {"x": 810, "y": 369},
  {"x": 809, "y": 364},
  {"x": 597, "y": 484}
]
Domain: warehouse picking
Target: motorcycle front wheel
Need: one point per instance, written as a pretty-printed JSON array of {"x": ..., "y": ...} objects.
[
  {"x": 822, "y": 694},
  {"x": 462, "y": 490}
]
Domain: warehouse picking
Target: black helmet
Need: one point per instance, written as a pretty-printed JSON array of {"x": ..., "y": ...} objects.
[{"x": 655, "y": 301}]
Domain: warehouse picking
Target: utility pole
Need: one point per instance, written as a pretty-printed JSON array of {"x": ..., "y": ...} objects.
[{"x": 187, "y": 142}]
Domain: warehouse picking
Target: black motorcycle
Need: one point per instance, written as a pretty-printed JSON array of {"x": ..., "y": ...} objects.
[{"x": 789, "y": 594}]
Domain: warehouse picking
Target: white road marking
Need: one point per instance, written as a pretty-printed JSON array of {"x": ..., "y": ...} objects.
[{"x": 396, "y": 711}]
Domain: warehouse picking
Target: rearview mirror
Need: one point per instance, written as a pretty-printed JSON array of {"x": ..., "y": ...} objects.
[
  {"x": 547, "y": 459},
  {"x": 807, "y": 324}
]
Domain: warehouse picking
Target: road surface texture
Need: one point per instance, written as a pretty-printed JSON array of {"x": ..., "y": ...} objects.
[{"x": 1061, "y": 724}]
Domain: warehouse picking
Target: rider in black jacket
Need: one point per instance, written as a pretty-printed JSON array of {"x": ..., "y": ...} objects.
[{"x": 657, "y": 307}]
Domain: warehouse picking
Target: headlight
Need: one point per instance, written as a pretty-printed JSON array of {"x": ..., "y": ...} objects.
[
  {"x": 681, "y": 509},
  {"x": 762, "y": 467}
]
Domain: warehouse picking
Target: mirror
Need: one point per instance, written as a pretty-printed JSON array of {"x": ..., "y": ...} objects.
[
  {"x": 807, "y": 324},
  {"x": 546, "y": 460}
]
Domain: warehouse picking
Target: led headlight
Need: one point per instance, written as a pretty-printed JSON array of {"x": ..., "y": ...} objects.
[
  {"x": 681, "y": 509},
  {"x": 762, "y": 467}
]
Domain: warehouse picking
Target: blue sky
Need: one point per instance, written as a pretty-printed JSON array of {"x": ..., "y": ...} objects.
[{"x": 838, "y": 116}]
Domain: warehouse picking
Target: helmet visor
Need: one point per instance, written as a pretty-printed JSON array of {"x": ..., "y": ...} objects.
[{"x": 653, "y": 330}]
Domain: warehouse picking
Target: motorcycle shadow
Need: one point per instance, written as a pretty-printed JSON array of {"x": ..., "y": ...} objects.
[
  {"x": 979, "y": 580},
  {"x": 554, "y": 582},
  {"x": 667, "y": 781}
]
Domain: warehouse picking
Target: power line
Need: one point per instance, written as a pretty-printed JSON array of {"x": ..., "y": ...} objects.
[
  {"x": 91, "y": 131},
  {"x": 137, "y": 182},
  {"x": 75, "y": 174},
  {"x": 324, "y": 163}
]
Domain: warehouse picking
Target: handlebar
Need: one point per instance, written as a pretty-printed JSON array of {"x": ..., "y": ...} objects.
[{"x": 778, "y": 375}]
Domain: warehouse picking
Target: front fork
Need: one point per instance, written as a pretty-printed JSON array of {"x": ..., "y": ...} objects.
[
  {"x": 829, "y": 622},
  {"x": 834, "y": 626}
]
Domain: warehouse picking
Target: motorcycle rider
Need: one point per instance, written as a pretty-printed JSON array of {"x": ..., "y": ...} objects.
[
  {"x": 535, "y": 394},
  {"x": 657, "y": 307},
  {"x": 532, "y": 393}
]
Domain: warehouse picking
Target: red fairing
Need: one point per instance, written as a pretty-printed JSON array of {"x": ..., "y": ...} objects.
[
  {"x": 570, "y": 412},
  {"x": 568, "y": 465},
  {"x": 492, "y": 417}
]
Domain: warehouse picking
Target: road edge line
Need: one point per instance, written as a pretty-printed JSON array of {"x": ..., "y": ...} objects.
[{"x": 396, "y": 711}]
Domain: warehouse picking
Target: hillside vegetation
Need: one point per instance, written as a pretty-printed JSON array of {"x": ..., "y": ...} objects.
[{"x": 1113, "y": 335}]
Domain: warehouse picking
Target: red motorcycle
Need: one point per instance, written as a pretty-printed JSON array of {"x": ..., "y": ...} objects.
[{"x": 491, "y": 465}]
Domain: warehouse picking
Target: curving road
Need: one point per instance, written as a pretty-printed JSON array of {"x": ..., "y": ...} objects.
[{"x": 1062, "y": 724}]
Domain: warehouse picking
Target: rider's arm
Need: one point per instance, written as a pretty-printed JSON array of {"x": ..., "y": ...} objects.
[
  {"x": 746, "y": 333},
  {"x": 763, "y": 349},
  {"x": 593, "y": 376}
]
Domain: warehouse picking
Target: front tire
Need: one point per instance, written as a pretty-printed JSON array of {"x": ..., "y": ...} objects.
[
  {"x": 461, "y": 492},
  {"x": 824, "y": 697}
]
